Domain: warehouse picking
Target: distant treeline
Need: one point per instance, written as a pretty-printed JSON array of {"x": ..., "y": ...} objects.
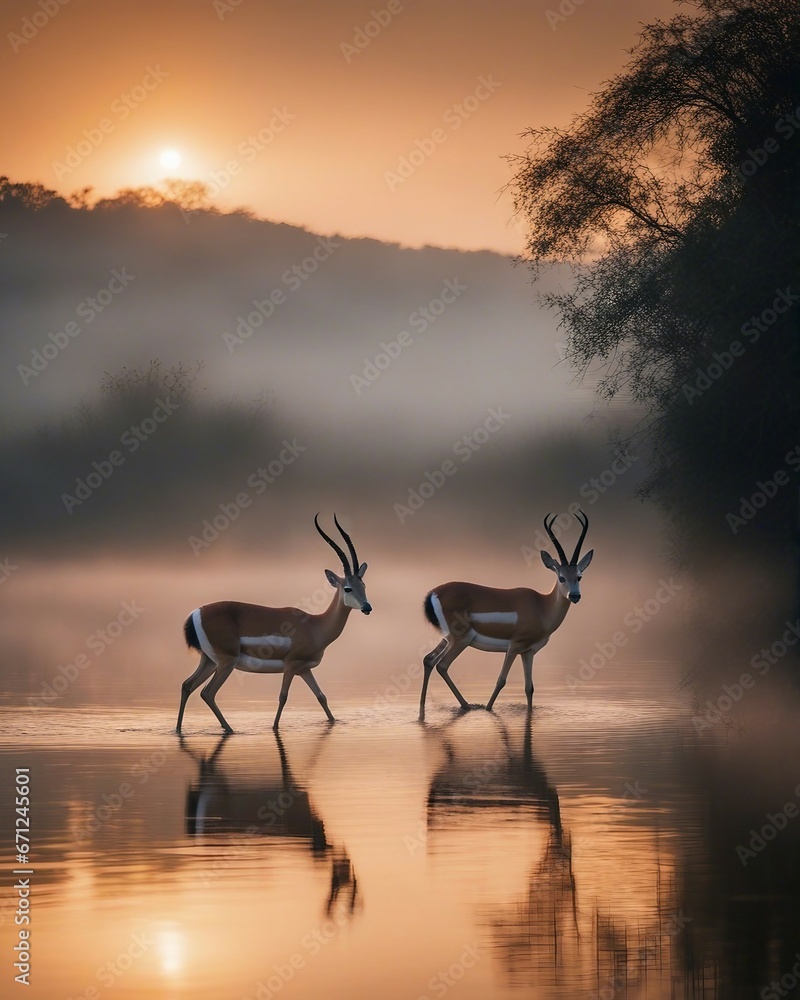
[
  {"x": 134, "y": 466},
  {"x": 153, "y": 461}
]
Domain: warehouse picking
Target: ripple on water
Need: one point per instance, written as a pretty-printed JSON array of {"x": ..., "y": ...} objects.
[{"x": 95, "y": 726}]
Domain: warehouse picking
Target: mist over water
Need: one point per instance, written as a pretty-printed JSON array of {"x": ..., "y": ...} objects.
[
  {"x": 115, "y": 628},
  {"x": 622, "y": 840},
  {"x": 591, "y": 846}
]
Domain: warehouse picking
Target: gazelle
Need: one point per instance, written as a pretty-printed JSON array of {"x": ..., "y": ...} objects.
[
  {"x": 233, "y": 636},
  {"x": 516, "y": 622}
]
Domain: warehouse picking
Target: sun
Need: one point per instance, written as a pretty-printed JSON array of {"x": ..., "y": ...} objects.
[{"x": 171, "y": 159}]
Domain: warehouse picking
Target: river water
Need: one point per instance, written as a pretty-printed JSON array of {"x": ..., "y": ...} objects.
[{"x": 596, "y": 848}]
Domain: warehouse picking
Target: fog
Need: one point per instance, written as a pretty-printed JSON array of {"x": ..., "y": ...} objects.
[
  {"x": 408, "y": 389},
  {"x": 354, "y": 338},
  {"x": 184, "y": 389},
  {"x": 153, "y": 461},
  {"x": 113, "y": 624}
]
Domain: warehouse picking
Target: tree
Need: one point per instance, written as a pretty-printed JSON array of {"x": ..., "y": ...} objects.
[
  {"x": 676, "y": 199},
  {"x": 27, "y": 195},
  {"x": 189, "y": 196}
]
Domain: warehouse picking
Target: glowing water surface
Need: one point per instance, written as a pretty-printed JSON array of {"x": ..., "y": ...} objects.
[{"x": 574, "y": 853}]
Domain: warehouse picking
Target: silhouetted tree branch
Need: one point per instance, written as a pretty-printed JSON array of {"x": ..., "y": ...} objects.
[{"x": 676, "y": 199}]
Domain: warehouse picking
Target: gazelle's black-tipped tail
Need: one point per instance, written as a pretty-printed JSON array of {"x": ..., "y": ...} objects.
[
  {"x": 430, "y": 614},
  {"x": 191, "y": 634}
]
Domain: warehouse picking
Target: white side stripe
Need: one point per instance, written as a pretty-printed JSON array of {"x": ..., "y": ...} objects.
[
  {"x": 436, "y": 604},
  {"x": 498, "y": 617},
  {"x": 276, "y": 641},
  {"x": 202, "y": 638},
  {"x": 488, "y": 644},
  {"x": 256, "y": 665}
]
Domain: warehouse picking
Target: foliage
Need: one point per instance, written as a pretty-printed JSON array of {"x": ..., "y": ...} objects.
[
  {"x": 190, "y": 196},
  {"x": 676, "y": 197}
]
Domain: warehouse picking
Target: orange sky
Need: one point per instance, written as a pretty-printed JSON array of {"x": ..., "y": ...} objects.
[{"x": 274, "y": 101}]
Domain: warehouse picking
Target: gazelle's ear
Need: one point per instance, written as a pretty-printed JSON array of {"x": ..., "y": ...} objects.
[
  {"x": 362, "y": 569},
  {"x": 549, "y": 561},
  {"x": 585, "y": 561},
  {"x": 332, "y": 578}
]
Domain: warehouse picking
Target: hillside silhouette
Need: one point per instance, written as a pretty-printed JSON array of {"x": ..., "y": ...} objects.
[{"x": 312, "y": 317}]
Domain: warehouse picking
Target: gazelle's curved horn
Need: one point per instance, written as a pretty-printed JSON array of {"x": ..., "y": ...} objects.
[
  {"x": 585, "y": 526},
  {"x": 334, "y": 546},
  {"x": 548, "y": 528},
  {"x": 349, "y": 541}
]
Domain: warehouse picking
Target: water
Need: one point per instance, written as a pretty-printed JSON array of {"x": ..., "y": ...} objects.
[{"x": 586, "y": 851}]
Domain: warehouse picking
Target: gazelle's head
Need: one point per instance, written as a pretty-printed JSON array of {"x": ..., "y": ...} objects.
[
  {"x": 352, "y": 583},
  {"x": 568, "y": 571}
]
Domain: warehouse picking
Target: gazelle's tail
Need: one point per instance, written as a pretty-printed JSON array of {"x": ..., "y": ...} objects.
[
  {"x": 191, "y": 634},
  {"x": 430, "y": 614}
]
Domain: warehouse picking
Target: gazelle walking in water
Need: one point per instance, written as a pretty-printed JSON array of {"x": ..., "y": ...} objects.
[
  {"x": 516, "y": 622},
  {"x": 233, "y": 636}
]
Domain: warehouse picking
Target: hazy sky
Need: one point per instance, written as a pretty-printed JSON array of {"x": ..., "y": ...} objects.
[{"x": 284, "y": 107}]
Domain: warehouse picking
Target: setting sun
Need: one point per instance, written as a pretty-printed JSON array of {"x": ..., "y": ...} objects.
[{"x": 170, "y": 158}]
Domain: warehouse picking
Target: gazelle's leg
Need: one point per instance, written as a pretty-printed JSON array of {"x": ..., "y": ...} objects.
[
  {"x": 286, "y": 773},
  {"x": 342, "y": 875},
  {"x": 429, "y": 662},
  {"x": 288, "y": 677},
  {"x": 431, "y": 659},
  {"x": 204, "y": 670},
  {"x": 428, "y": 670},
  {"x": 311, "y": 680},
  {"x": 224, "y": 670},
  {"x": 527, "y": 670},
  {"x": 455, "y": 646},
  {"x": 511, "y": 655}
]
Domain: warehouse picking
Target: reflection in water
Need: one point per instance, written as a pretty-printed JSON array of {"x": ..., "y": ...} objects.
[
  {"x": 512, "y": 786},
  {"x": 591, "y": 851},
  {"x": 220, "y": 802},
  {"x": 539, "y": 937}
]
